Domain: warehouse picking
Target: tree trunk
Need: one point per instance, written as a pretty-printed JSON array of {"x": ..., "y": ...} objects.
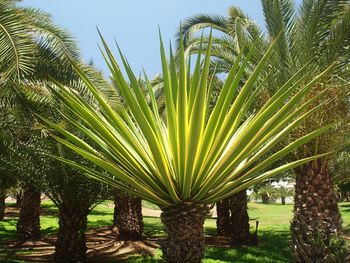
[
  {"x": 283, "y": 200},
  {"x": 28, "y": 225},
  {"x": 71, "y": 241},
  {"x": 19, "y": 197},
  {"x": 316, "y": 225},
  {"x": 265, "y": 198},
  {"x": 2, "y": 205},
  {"x": 239, "y": 219},
  {"x": 185, "y": 236},
  {"x": 128, "y": 220},
  {"x": 223, "y": 222}
]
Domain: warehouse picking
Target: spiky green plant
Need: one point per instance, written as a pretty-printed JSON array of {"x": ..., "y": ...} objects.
[{"x": 194, "y": 157}]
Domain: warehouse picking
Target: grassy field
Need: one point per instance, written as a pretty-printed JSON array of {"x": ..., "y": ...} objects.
[{"x": 273, "y": 232}]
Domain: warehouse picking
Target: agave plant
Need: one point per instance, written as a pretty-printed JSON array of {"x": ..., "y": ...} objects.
[{"x": 194, "y": 157}]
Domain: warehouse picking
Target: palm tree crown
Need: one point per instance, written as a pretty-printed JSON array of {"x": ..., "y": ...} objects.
[{"x": 196, "y": 155}]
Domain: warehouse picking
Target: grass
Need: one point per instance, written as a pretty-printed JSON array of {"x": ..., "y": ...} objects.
[{"x": 273, "y": 232}]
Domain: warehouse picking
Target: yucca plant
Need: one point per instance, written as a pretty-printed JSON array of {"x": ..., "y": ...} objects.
[{"x": 195, "y": 157}]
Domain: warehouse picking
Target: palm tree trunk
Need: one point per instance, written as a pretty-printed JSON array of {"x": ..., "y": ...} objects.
[
  {"x": 265, "y": 198},
  {"x": 28, "y": 225},
  {"x": 71, "y": 240},
  {"x": 317, "y": 223},
  {"x": 2, "y": 205},
  {"x": 19, "y": 197},
  {"x": 185, "y": 236},
  {"x": 223, "y": 221},
  {"x": 239, "y": 219},
  {"x": 128, "y": 220},
  {"x": 283, "y": 200}
]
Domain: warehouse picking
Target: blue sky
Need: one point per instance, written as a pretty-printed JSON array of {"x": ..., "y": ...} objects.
[{"x": 133, "y": 23}]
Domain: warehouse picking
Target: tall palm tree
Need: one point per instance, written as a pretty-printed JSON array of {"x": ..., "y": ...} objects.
[
  {"x": 316, "y": 33},
  {"x": 31, "y": 49},
  {"x": 319, "y": 33},
  {"x": 196, "y": 157},
  {"x": 27, "y": 157}
]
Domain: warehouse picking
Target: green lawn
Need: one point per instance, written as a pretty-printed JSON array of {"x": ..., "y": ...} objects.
[{"x": 273, "y": 231}]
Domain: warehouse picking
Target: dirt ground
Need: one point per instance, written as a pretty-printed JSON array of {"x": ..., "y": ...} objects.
[{"x": 102, "y": 244}]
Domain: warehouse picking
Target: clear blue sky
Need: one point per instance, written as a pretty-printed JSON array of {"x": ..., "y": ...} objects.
[{"x": 133, "y": 23}]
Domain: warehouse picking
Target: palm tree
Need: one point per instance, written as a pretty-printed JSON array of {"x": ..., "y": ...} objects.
[
  {"x": 235, "y": 31},
  {"x": 32, "y": 48},
  {"x": 266, "y": 193},
  {"x": 283, "y": 192},
  {"x": 317, "y": 33},
  {"x": 183, "y": 175},
  {"x": 74, "y": 194}
]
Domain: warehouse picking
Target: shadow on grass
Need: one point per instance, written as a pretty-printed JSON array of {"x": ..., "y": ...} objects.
[
  {"x": 8, "y": 228},
  {"x": 100, "y": 223},
  {"x": 101, "y": 213},
  {"x": 210, "y": 230},
  {"x": 153, "y": 226},
  {"x": 347, "y": 204},
  {"x": 273, "y": 247}
]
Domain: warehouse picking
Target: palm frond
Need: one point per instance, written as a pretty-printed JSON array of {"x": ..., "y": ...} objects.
[
  {"x": 17, "y": 51},
  {"x": 196, "y": 154}
]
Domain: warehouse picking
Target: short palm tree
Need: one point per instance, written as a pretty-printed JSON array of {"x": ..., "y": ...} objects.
[
  {"x": 266, "y": 193},
  {"x": 283, "y": 192},
  {"x": 195, "y": 157}
]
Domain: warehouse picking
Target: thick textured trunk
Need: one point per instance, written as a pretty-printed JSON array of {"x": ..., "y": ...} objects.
[
  {"x": 71, "y": 241},
  {"x": 128, "y": 220},
  {"x": 185, "y": 237},
  {"x": 223, "y": 222},
  {"x": 28, "y": 225},
  {"x": 233, "y": 219},
  {"x": 239, "y": 219},
  {"x": 2, "y": 205},
  {"x": 316, "y": 225}
]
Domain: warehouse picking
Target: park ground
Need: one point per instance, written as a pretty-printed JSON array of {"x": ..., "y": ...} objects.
[{"x": 273, "y": 232}]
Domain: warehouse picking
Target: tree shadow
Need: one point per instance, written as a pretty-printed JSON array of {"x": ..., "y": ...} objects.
[
  {"x": 272, "y": 247},
  {"x": 102, "y": 243},
  {"x": 341, "y": 205},
  {"x": 9, "y": 231},
  {"x": 101, "y": 213},
  {"x": 100, "y": 223},
  {"x": 153, "y": 226}
]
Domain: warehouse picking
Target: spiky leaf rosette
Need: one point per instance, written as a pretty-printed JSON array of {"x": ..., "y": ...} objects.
[{"x": 195, "y": 155}]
